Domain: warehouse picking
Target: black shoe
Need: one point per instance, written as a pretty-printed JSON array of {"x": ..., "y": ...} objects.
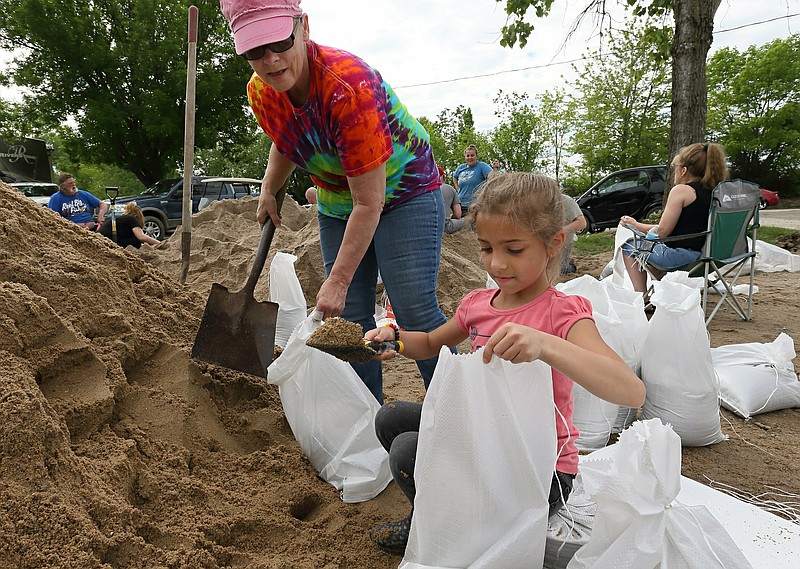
[{"x": 392, "y": 537}]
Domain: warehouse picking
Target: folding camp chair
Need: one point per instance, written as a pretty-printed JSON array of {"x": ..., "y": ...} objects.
[{"x": 729, "y": 248}]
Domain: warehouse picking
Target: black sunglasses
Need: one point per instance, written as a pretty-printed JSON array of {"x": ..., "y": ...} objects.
[{"x": 275, "y": 47}]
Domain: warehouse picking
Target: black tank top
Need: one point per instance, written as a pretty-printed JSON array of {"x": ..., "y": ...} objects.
[{"x": 693, "y": 219}]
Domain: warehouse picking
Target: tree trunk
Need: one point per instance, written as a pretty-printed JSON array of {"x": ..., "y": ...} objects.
[{"x": 694, "y": 25}]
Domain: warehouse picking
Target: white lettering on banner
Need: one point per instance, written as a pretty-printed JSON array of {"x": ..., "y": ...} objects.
[{"x": 16, "y": 153}]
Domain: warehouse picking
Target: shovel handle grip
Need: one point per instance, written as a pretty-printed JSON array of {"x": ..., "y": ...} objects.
[
  {"x": 381, "y": 347},
  {"x": 267, "y": 233}
]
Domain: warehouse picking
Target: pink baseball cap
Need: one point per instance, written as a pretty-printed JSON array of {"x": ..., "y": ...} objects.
[{"x": 258, "y": 22}]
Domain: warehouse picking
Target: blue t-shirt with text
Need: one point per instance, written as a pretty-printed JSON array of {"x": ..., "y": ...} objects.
[{"x": 77, "y": 208}]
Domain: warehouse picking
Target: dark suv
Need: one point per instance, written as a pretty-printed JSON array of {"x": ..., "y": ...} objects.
[
  {"x": 162, "y": 204},
  {"x": 637, "y": 192}
]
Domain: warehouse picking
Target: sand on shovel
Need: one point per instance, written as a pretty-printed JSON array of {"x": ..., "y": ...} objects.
[{"x": 342, "y": 339}]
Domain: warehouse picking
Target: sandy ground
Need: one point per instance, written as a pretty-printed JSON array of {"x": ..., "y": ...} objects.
[{"x": 118, "y": 450}]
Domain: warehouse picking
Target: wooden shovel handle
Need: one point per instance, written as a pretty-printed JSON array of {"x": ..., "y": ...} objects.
[{"x": 267, "y": 233}]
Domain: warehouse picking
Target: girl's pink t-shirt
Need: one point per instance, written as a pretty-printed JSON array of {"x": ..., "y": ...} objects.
[{"x": 552, "y": 312}]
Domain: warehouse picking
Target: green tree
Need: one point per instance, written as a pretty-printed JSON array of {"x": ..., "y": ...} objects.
[
  {"x": 694, "y": 22},
  {"x": 623, "y": 105},
  {"x": 557, "y": 118},
  {"x": 118, "y": 70},
  {"x": 518, "y": 140},
  {"x": 754, "y": 111},
  {"x": 451, "y": 133}
]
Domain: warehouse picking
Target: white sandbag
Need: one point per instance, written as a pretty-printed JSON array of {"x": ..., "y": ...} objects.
[
  {"x": 682, "y": 388},
  {"x": 332, "y": 415},
  {"x": 629, "y": 306},
  {"x": 757, "y": 378},
  {"x": 594, "y": 417},
  {"x": 285, "y": 289},
  {"x": 485, "y": 460},
  {"x": 639, "y": 523},
  {"x": 771, "y": 258},
  {"x": 619, "y": 275}
]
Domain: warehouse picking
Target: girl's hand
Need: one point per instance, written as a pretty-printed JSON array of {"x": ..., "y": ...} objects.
[
  {"x": 515, "y": 343},
  {"x": 380, "y": 334}
]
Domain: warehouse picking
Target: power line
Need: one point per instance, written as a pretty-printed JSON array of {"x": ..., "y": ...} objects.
[
  {"x": 786, "y": 17},
  {"x": 544, "y": 65}
]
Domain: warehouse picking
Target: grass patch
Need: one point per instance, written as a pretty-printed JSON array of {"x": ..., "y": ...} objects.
[
  {"x": 603, "y": 242},
  {"x": 593, "y": 243},
  {"x": 771, "y": 234}
]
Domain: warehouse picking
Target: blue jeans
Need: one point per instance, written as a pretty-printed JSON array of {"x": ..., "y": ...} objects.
[
  {"x": 405, "y": 248},
  {"x": 662, "y": 255}
]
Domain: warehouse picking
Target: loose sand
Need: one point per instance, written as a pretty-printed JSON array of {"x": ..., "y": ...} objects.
[{"x": 117, "y": 450}]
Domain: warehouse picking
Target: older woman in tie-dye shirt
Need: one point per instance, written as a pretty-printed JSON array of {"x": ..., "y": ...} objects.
[{"x": 378, "y": 200}]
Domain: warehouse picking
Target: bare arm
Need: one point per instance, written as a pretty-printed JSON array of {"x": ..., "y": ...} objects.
[
  {"x": 583, "y": 357},
  {"x": 101, "y": 212},
  {"x": 455, "y": 183},
  {"x": 144, "y": 237},
  {"x": 279, "y": 168},
  {"x": 576, "y": 225},
  {"x": 369, "y": 193},
  {"x": 457, "y": 211},
  {"x": 420, "y": 345}
]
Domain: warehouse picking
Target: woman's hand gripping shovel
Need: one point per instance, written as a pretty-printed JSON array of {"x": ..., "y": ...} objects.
[{"x": 238, "y": 332}]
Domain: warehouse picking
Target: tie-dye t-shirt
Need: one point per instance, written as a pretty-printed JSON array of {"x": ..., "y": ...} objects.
[{"x": 351, "y": 123}]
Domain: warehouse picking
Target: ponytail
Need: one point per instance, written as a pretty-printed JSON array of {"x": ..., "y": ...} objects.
[{"x": 716, "y": 166}]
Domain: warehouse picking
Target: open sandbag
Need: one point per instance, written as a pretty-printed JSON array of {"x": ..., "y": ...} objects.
[
  {"x": 485, "y": 459},
  {"x": 286, "y": 291},
  {"x": 332, "y": 415}
]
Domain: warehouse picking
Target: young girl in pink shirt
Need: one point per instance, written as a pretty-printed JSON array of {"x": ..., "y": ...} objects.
[{"x": 518, "y": 219}]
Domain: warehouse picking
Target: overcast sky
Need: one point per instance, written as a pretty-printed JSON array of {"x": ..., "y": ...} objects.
[{"x": 413, "y": 42}]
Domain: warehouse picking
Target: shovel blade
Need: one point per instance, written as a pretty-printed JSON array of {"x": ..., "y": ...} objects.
[{"x": 236, "y": 332}]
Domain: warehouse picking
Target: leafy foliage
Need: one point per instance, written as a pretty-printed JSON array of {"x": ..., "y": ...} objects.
[
  {"x": 118, "y": 71},
  {"x": 451, "y": 133},
  {"x": 518, "y": 140},
  {"x": 623, "y": 115},
  {"x": 754, "y": 111}
]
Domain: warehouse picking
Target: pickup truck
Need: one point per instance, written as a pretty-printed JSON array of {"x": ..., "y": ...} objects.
[{"x": 162, "y": 203}]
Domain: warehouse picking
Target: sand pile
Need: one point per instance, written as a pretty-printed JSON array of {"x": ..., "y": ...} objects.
[{"x": 116, "y": 449}]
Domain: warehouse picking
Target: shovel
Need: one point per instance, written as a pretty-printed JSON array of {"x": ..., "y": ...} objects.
[
  {"x": 238, "y": 332},
  {"x": 344, "y": 340}
]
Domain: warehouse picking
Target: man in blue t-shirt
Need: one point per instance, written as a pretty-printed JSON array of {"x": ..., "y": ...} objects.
[
  {"x": 469, "y": 176},
  {"x": 76, "y": 205}
]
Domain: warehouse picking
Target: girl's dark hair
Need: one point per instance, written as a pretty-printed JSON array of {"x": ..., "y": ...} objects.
[
  {"x": 532, "y": 201},
  {"x": 705, "y": 161}
]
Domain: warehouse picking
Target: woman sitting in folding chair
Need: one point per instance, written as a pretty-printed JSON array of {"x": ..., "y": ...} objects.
[{"x": 698, "y": 168}]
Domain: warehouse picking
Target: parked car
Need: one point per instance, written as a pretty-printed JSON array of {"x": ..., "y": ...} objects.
[
  {"x": 162, "y": 203},
  {"x": 39, "y": 192},
  {"x": 637, "y": 192},
  {"x": 768, "y": 197}
]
